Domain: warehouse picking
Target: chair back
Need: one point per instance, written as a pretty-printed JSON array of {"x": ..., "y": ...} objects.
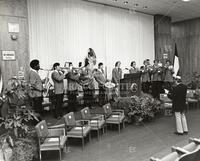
[
  {"x": 107, "y": 108},
  {"x": 193, "y": 156},
  {"x": 190, "y": 93},
  {"x": 85, "y": 113},
  {"x": 69, "y": 119},
  {"x": 42, "y": 129}
]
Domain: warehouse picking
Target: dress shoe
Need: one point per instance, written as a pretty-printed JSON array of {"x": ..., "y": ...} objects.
[{"x": 178, "y": 133}]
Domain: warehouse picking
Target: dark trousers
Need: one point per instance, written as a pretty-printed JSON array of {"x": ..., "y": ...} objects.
[
  {"x": 102, "y": 95},
  {"x": 157, "y": 89},
  {"x": 72, "y": 101},
  {"x": 88, "y": 97},
  {"x": 146, "y": 87},
  {"x": 58, "y": 105},
  {"x": 37, "y": 105}
]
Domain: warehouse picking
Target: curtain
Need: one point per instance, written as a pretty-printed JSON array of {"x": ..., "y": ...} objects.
[{"x": 63, "y": 30}]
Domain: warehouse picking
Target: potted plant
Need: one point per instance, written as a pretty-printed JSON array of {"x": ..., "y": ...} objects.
[{"x": 17, "y": 122}]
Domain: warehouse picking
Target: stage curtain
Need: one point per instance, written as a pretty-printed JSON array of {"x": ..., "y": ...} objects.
[{"x": 63, "y": 30}]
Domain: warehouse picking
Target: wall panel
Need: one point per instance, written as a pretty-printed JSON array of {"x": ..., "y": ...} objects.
[{"x": 14, "y": 12}]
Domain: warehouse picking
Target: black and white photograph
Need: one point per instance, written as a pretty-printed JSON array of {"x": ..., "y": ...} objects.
[{"x": 99, "y": 80}]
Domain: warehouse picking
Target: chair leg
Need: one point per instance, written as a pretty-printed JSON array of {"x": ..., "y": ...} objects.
[
  {"x": 123, "y": 124},
  {"x": 119, "y": 127},
  {"x": 60, "y": 155},
  {"x": 40, "y": 155},
  {"x": 98, "y": 134},
  {"x": 83, "y": 144},
  {"x": 90, "y": 136}
]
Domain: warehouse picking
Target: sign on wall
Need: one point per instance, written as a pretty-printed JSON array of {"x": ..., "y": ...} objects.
[
  {"x": 13, "y": 27},
  {"x": 8, "y": 55}
]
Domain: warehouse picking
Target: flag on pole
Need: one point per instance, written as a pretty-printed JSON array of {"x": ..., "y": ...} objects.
[
  {"x": 1, "y": 81},
  {"x": 176, "y": 63}
]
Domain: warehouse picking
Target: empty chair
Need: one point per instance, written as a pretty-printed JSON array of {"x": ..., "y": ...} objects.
[
  {"x": 97, "y": 121},
  {"x": 76, "y": 129},
  {"x": 50, "y": 138},
  {"x": 191, "y": 99},
  {"x": 114, "y": 116}
]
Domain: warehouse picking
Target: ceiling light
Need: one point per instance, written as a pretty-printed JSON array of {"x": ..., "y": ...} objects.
[
  {"x": 115, "y": 0},
  {"x": 125, "y": 2},
  {"x": 145, "y": 7},
  {"x": 185, "y": 0},
  {"x": 136, "y": 5}
]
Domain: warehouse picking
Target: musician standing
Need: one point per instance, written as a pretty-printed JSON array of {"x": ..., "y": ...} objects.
[
  {"x": 116, "y": 76},
  {"x": 58, "y": 76},
  {"x": 101, "y": 80},
  {"x": 72, "y": 90},
  {"x": 145, "y": 76},
  {"x": 87, "y": 80},
  {"x": 36, "y": 82},
  {"x": 156, "y": 80},
  {"x": 168, "y": 75}
]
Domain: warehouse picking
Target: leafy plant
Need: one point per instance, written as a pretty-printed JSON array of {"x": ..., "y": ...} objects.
[
  {"x": 143, "y": 107},
  {"x": 18, "y": 121}
]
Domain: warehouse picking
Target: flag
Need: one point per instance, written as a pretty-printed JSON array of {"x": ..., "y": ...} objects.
[
  {"x": 176, "y": 63},
  {"x": 1, "y": 81}
]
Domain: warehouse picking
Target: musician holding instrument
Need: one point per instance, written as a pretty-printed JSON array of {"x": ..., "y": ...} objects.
[
  {"x": 168, "y": 75},
  {"x": 116, "y": 76},
  {"x": 58, "y": 76},
  {"x": 87, "y": 82},
  {"x": 36, "y": 84},
  {"x": 72, "y": 90},
  {"x": 156, "y": 79},
  {"x": 99, "y": 76},
  {"x": 145, "y": 76}
]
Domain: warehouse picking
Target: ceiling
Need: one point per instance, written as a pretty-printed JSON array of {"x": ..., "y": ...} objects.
[{"x": 176, "y": 9}]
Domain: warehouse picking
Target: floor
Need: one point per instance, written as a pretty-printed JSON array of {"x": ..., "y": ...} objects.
[{"x": 134, "y": 143}]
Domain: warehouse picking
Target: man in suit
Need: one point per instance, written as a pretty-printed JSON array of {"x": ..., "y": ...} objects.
[
  {"x": 58, "y": 77},
  {"x": 35, "y": 81},
  {"x": 101, "y": 80},
  {"x": 116, "y": 76},
  {"x": 72, "y": 88},
  {"x": 178, "y": 96}
]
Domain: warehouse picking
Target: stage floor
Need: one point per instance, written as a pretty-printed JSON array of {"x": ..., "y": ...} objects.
[{"x": 134, "y": 143}]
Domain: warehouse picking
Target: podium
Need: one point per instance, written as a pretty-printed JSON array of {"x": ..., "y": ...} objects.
[{"x": 130, "y": 85}]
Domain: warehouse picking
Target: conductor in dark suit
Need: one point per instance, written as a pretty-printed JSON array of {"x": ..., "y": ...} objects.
[
  {"x": 178, "y": 96},
  {"x": 58, "y": 77},
  {"x": 36, "y": 84}
]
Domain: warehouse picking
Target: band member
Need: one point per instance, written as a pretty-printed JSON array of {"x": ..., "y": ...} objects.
[
  {"x": 168, "y": 75},
  {"x": 101, "y": 80},
  {"x": 145, "y": 76},
  {"x": 178, "y": 96},
  {"x": 87, "y": 81},
  {"x": 116, "y": 76},
  {"x": 156, "y": 80},
  {"x": 36, "y": 86},
  {"x": 58, "y": 77},
  {"x": 72, "y": 77},
  {"x": 133, "y": 68}
]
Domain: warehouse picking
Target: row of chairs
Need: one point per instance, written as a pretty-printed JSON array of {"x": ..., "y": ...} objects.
[
  {"x": 190, "y": 152},
  {"x": 55, "y": 137}
]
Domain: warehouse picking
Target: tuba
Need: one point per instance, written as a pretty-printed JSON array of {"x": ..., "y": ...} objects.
[{"x": 47, "y": 84}]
